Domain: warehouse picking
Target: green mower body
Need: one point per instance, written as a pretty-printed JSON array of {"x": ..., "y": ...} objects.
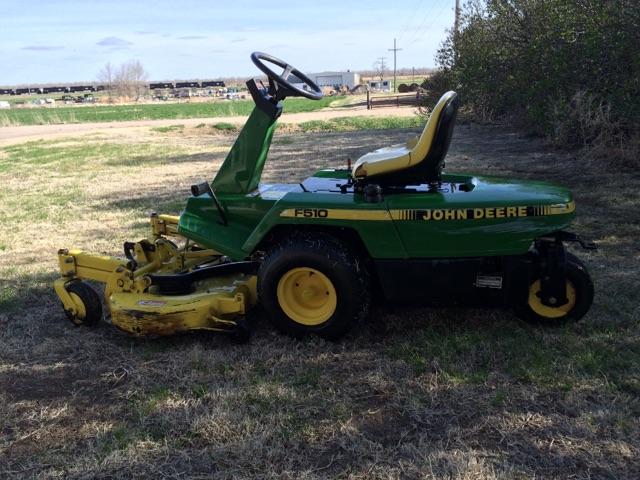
[
  {"x": 433, "y": 236},
  {"x": 468, "y": 216},
  {"x": 394, "y": 226}
]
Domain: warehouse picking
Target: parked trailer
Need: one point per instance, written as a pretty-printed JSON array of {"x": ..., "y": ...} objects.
[
  {"x": 100, "y": 88},
  {"x": 213, "y": 83},
  {"x": 160, "y": 85},
  {"x": 79, "y": 88},
  {"x": 53, "y": 90}
]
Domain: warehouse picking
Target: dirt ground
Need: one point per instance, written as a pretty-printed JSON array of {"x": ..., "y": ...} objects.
[
  {"x": 412, "y": 393},
  {"x": 13, "y": 135}
]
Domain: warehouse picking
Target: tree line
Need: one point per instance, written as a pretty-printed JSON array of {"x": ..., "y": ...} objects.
[{"x": 566, "y": 69}]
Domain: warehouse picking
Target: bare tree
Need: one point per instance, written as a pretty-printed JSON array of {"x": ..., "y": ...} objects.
[
  {"x": 140, "y": 77},
  {"x": 128, "y": 80},
  {"x": 132, "y": 78},
  {"x": 106, "y": 77},
  {"x": 380, "y": 67}
]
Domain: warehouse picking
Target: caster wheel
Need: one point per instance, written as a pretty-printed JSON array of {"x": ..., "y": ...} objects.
[{"x": 88, "y": 307}]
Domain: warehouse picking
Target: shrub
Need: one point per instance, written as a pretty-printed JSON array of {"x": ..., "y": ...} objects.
[{"x": 568, "y": 69}]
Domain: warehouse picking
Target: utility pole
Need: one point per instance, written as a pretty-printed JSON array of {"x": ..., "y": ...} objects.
[
  {"x": 394, "y": 50},
  {"x": 456, "y": 31},
  {"x": 381, "y": 67}
]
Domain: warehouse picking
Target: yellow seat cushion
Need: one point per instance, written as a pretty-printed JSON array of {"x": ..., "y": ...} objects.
[{"x": 398, "y": 157}]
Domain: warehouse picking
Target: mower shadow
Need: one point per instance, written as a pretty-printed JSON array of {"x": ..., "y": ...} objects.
[
  {"x": 23, "y": 291},
  {"x": 409, "y": 379}
]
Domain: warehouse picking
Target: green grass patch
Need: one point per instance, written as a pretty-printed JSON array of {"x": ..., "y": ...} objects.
[
  {"x": 69, "y": 157},
  {"x": 35, "y": 206},
  {"x": 153, "y": 400},
  {"x": 8, "y": 296},
  {"x": 199, "y": 391},
  {"x": 310, "y": 377},
  {"x": 224, "y": 126},
  {"x": 360, "y": 123},
  {"x": 119, "y": 438},
  {"x": 116, "y": 113},
  {"x": 170, "y": 128},
  {"x": 433, "y": 349},
  {"x": 547, "y": 358},
  {"x": 19, "y": 291}
]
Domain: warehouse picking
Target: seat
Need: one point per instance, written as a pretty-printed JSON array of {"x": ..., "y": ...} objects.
[{"x": 420, "y": 159}]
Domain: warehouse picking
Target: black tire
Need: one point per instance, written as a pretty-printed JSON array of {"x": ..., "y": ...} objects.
[
  {"x": 580, "y": 281},
  {"x": 322, "y": 253},
  {"x": 91, "y": 302}
]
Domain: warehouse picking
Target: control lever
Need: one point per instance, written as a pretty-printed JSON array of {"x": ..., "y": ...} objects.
[{"x": 204, "y": 187}]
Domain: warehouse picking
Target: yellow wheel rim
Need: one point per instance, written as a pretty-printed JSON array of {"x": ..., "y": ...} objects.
[
  {"x": 81, "y": 311},
  {"x": 543, "y": 310},
  {"x": 307, "y": 296}
]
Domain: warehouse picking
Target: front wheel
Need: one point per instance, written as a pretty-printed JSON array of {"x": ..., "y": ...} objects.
[
  {"x": 313, "y": 284},
  {"x": 579, "y": 295},
  {"x": 87, "y": 304}
]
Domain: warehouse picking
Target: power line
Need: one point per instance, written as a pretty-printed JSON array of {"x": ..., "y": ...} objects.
[
  {"x": 444, "y": 7},
  {"x": 405, "y": 28},
  {"x": 421, "y": 24}
]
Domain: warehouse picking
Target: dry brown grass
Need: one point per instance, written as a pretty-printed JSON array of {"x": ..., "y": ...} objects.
[{"x": 413, "y": 393}]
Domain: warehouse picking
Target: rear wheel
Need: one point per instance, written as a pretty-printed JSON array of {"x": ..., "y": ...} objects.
[
  {"x": 579, "y": 291},
  {"x": 88, "y": 307},
  {"x": 313, "y": 284}
]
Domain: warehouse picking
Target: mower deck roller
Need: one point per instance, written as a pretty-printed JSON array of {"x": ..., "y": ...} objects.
[{"x": 159, "y": 288}]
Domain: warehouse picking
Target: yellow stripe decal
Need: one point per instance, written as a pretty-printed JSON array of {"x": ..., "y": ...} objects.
[
  {"x": 562, "y": 208},
  {"x": 487, "y": 213},
  {"x": 336, "y": 214}
]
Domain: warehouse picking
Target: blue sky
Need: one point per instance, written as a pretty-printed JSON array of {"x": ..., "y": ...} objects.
[{"x": 66, "y": 41}]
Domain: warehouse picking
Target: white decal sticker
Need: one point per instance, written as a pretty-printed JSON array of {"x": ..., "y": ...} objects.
[{"x": 151, "y": 303}]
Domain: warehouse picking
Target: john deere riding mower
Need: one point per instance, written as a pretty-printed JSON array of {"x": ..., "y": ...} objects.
[{"x": 392, "y": 226}]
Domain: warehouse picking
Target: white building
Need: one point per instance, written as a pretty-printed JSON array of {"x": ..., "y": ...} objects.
[
  {"x": 4, "y": 105},
  {"x": 379, "y": 85},
  {"x": 334, "y": 80}
]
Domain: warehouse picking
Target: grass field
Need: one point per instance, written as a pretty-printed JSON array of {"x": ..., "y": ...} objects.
[
  {"x": 347, "y": 124},
  {"x": 414, "y": 392},
  {"x": 159, "y": 111}
]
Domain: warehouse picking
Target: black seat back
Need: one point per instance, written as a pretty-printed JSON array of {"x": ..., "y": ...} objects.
[{"x": 429, "y": 170}]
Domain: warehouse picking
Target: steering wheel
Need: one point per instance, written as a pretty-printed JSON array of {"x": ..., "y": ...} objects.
[{"x": 287, "y": 88}]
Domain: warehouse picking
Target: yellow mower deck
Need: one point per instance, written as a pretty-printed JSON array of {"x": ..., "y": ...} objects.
[{"x": 133, "y": 300}]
